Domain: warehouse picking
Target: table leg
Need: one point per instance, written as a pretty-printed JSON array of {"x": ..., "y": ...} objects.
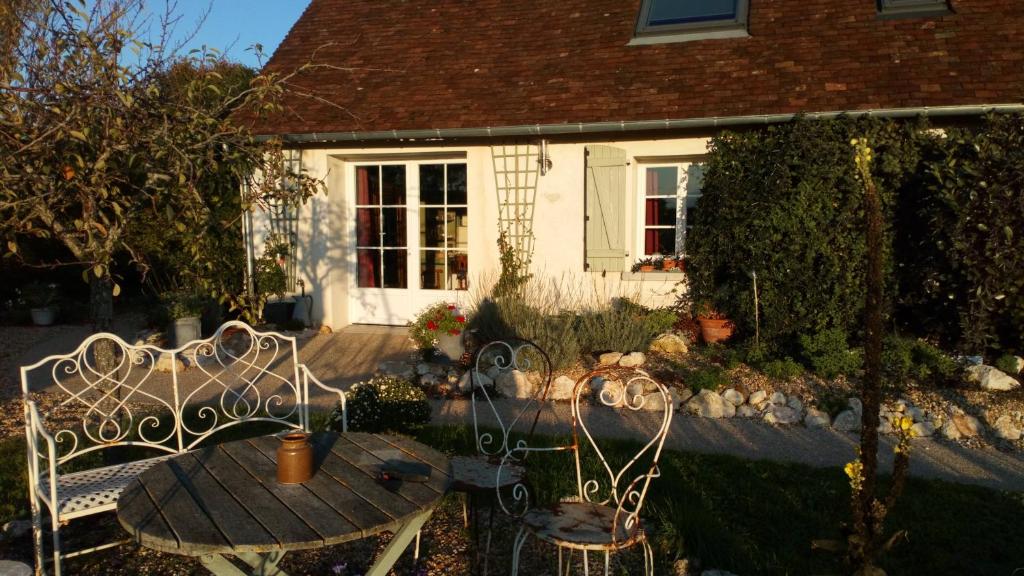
[
  {"x": 262, "y": 564},
  {"x": 399, "y": 542}
]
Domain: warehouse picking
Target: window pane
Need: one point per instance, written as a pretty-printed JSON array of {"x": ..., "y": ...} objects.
[
  {"x": 369, "y": 268},
  {"x": 432, "y": 227},
  {"x": 367, "y": 227},
  {"x": 395, "y": 270},
  {"x": 458, "y": 228},
  {"x": 666, "y": 12},
  {"x": 694, "y": 179},
  {"x": 432, "y": 269},
  {"x": 393, "y": 184},
  {"x": 456, "y": 183},
  {"x": 660, "y": 212},
  {"x": 432, "y": 184},
  {"x": 394, "y": 227},
  {"x": 458, "y": 271},
  {"x": 659, "y": 241},
  {"x": 662, "y": 181},
  {"x": 367, "y": 185}
]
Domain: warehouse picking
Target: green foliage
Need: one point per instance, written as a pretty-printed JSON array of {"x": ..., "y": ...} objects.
[
  {"x": 385, "y": 404},
  {"x": 828, "y": 353},
  {"x": 554, "y": 331},
  {"x": 183, "y": 304},
  {"x": 39, "y": 294},
  {"x": 785, "y": 369},
  {"x": 513, "y": 269},
  {"x": 269, "y": 277},
  {"x": 1007, "y": 363},
  {"x": 918, "y": 359},
  {"x": 706, "y": 378},
  {"x": 624, "y": 327}
]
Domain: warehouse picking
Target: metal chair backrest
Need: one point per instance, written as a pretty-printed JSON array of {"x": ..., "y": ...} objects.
[
  {"x": 492, "y": 360},
  {"x": 621, "y": 487},
  {"x": 237, "y": 375}
]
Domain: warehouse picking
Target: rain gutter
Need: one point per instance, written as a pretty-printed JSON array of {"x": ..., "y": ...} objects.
[{"x": 638, "y": 125}]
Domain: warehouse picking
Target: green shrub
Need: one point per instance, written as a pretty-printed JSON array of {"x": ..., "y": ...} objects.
[
  {"x": 828, "y": 353},
  {"x": 555, "y": 333},
  {"x": 918, "y": 359},
  {"x": 385, "y": 403},
  {"x": 613, "y": 329},
  {"x": 785, "y": 369},
  {"x": 1007, "y": 363},
  {"x": 708, "y": 378}
]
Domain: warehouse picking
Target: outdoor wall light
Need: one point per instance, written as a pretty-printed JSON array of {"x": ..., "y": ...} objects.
[{"x": 543, "y": 159}]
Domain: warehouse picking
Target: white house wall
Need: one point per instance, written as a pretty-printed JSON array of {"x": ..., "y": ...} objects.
[{"x": 326, "y": 259}]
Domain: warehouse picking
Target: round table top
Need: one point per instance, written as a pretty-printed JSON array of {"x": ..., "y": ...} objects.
[{"x": 226, "y": 498}]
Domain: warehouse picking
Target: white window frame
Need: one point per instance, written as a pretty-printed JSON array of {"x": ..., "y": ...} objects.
[
  {"x": 681, "y": 163},
  {"x": 685, "y": 31}
]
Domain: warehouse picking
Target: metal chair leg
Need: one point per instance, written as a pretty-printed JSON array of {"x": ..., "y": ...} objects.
[
  {"x": 490, "y": 531},
  {"x": 648, "y": 558},
  {"x": 517, "y": 547},
  {"x": 55, "y": 531},
  {"x": 586, "y": 564},
  {"x": 606, "y": 555},
  {"x": 416, "y": 550},
  {"x": 37, "y": 537}
]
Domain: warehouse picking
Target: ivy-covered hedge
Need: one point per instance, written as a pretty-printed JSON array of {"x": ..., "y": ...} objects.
[{"x": 783, "y": 202}]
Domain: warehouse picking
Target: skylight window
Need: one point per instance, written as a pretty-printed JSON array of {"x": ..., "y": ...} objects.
[
  {"x": 679, "y": 20},
  {"x": 912, "y": 8}
]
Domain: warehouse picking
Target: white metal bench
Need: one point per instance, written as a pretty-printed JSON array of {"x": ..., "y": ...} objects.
[{"x": 165, "y": 401}]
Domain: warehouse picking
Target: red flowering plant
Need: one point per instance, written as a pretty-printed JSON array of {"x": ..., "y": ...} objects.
[{"x": 440, "y": 318}]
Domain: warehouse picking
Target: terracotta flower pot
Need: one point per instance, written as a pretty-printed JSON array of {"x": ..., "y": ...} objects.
[
  {"x": 668, "y": 264},
  {"x": 647, "y": 268},
  {"x": 714, "y": 330}
]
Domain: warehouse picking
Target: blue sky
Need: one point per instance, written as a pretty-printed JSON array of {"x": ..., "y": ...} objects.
[{"x": 235, "y": 25}]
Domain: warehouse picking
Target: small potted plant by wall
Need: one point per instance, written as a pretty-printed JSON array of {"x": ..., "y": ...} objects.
[
  {"x": 668, "y": 263},
  {"x": 185, "y": 310},
  {"x": 270, "y": 279},
  {"x": 42, "y": 301},
  {"x": 714, "y": 326},
  {"x": 643, "y": 265},
  {"x": 440, "y": 326}
]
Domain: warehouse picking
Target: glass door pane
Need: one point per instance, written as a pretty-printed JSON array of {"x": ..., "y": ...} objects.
[
  {"x": 444, "y": 227},
  {"x": 381, "y": 239}
]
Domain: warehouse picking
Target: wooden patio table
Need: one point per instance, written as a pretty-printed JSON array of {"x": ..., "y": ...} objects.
[{"x": 225, "y": 499}]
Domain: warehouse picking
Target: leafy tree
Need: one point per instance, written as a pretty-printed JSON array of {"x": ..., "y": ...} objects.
[{"x": 103, "y": 135}]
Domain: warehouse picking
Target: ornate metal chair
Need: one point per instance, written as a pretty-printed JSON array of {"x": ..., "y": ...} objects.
[
  {"x": 604, "y": 514},
  {"x": 495, "y": 433}
]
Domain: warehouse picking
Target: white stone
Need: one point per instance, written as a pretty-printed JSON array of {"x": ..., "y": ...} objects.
[
  {"x": 1005, "y": 429},
  {"x": 168, "y": 362},
  {"x": 950, "y": 430},
  {"x": 901, "y": 405},
  {"x": 855, "y": 405},
  {"x": 16, "y": 529},
  {"x": 429, "y": 380},
  {"x": 756, "y": 397},
  {"x": 795, "y": 403},
  {"x": 481, "y": 380},
  {"x": 781, "y": 415},
  {"x": 653, "y": 401},
  {"x": 728, "y": 409},
  {"x": 707, "y": 403},
  {"x": 922, "y": 429},
  {"x": 14, "y": 568},
  {"x": 608, "y": 392},
  {"x": 561, "y": 388},
  {"x": 669, "y": 344},
  {"x": 969, "y": 426},
  {"x": 609, "y": 358},
  {"x": 515, "y": 384},
  {"x": 847, "y": 421},
  {"x": 397, "y": 368},
  {"x": 632, "y": 360},
  {"x": 733, "y": 396},
  {"x": 778, "y": 399},
  {"x": 817, "y": 418},
  {"x": 423, "y": 368},
  {"x": 991, "y": 378},
  {"x": 1019, "y": 364},
  {"x": 493, "y": 372},
  {"x": 684, "y": 395},
  {"x": 746, "y": 411},
  {"x": 915, "y": 413}
]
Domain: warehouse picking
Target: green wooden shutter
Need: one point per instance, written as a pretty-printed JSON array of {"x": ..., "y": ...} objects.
[{"x": 606, "y": 209}]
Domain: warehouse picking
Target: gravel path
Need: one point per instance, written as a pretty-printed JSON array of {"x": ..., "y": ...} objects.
[{"x": 754, "y": 440}]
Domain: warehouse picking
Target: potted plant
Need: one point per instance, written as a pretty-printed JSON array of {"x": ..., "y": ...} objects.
[
  {"x": 714, "y": 326},
  {"x": 42, "y": 301},
  {"x": 185, "y": 310},
  {"x": 440, "y": 326},
  {"x": 643, "y": 265},
  {"x": 668, "y": 263},
  {"x": 270, "y": 279}
]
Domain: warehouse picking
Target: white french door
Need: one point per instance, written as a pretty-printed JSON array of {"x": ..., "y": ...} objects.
[{"x": 411, "y": 233}]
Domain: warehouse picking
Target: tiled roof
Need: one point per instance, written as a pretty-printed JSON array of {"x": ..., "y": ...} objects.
[{"x": 432, "y": 64}]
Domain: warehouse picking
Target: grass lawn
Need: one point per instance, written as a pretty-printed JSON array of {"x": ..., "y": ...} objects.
[
  {"x": 756, "y": 517},
  {"x": 747, "y": 517}
]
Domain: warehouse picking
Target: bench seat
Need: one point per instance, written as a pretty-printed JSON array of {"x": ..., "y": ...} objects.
[{"x": 92, "y": 491}]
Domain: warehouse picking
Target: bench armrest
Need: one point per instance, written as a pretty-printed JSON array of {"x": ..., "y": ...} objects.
[
  {"x": 307, "y": 377},
  {"x": 38, "y": 438}
]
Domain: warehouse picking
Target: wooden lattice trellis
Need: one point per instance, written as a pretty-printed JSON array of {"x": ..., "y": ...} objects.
[{"x": 515, "y": 173}]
